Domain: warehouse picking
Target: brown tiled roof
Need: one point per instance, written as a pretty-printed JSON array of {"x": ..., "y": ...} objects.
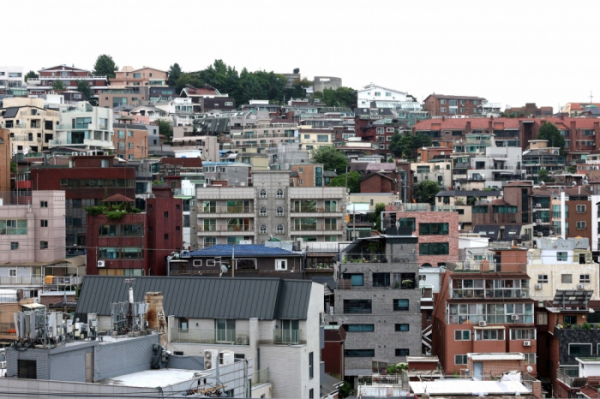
[
  {"x": 455, "y": 97},
  {"x": 117, "y": 198},
  {"x": 578, "y": 106},
  {"x": 589, "y": 391}
]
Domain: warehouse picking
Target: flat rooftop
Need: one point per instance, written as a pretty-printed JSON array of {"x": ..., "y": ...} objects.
[
  {"x": 460, "y": 386},
  {"x": 154, "y": 378},
  {"x": 496, "y": 356}
]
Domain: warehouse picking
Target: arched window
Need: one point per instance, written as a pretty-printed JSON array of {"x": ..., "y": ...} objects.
[
  {"x": 263, "y": 229},
  {"x": 279, "y": 211},
  {"x": 263, "y": 211},
  {"x": 263, "y": 193},
  {"x": 279, "y": 193},
  {"x": 279, "y": 229}
]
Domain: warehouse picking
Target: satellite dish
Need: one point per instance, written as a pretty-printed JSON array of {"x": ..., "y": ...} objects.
[{"x": 223, "y": 270}]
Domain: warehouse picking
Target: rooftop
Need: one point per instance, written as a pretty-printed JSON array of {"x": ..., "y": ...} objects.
[
  {"x": 467, "y": 387},
  {"x": 153, "y": 378},
  {"x": 242, "y": 250}
]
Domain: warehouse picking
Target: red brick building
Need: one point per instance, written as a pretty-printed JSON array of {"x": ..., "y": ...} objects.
[
  {"x": 441, "y": 105},
  {"x": 69, "y": 76},
  {"x": 138, "y": 243}
]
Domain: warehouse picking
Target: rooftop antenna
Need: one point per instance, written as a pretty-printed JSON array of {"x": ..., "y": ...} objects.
[
  {"x": 129, "y": 282},
  {"x": 591, "y": 97}
]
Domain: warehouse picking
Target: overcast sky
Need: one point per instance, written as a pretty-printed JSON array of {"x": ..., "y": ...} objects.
[{"x": 509, "y": 52}]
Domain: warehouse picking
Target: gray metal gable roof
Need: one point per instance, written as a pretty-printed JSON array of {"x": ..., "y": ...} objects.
[{"x": 203, "y": 297}]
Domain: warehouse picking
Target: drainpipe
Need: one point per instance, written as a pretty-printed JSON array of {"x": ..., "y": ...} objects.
[{"x": 562, "y": 214}]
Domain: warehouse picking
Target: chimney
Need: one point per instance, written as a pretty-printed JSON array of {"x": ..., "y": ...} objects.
[
  {"x": 155, "y": 316},
  {"x": 468, "y": 127}
]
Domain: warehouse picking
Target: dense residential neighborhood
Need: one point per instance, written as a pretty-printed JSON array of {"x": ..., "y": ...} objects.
[{"x": 172, "y": 233}]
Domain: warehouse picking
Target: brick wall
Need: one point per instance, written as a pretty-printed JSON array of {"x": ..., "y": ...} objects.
[{"x": 451, "y": 238}]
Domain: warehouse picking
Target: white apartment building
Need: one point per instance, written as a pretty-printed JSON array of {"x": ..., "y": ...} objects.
[
  {"x": 439, "y": 171},
  {"x": 499, "y": 166},
  {"x": 11, "y": 78},
  {"x": 373, "y": 92},
  {"x": 31, "y": 125},
  {"x": 84, "y": 126}
]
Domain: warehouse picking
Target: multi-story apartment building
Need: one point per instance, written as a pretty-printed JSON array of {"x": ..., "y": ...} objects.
[
  {"x": 515, "y": 207},
  {"x": 442, "y": 105},
  {"x": 378, "y": 282},
  {"x": 144, "y": 76},
  {"x": 31, "y": 125},
  {"x": 137, "y": 244},
  {"x": 118, "y": 97},
  {"x": 312, "y": 139},
  {"x": 130, "y": 141},
  {"x": 87, "y": 181},
  {"x": 438, "y": 170},
  {"x": 12, "y": 81},
  {"x": 373, "y": 92},
  {"x": 462, "y": 201},
  {"x": 541, "y": 157},
  {"x": 575, "y": 109},
  {"x": 436, "y": 228},
  {"x": 310, "y": 175},
  {"x": 5, "y": 159},
  {"x": 69, "y": 76},
  {"x": 270, "y": 209},
  {"x": 84, "y": 126},
  {"x": 497, "y": 167},
  {"x": 261, "y": 135},
  {"x": 483, "y": 308}
]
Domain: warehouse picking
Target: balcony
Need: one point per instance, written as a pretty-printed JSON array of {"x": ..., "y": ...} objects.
[
  {"x": 225, "y": 209},
  {"x": 210, "y": 336},
  {"x": 25, "y": 280},
  {"x": 23, "y": 184},
  {"x": 7, "y": 328},
  {"x": 480, "y": 293},
  {"x": 287, "y": 337},
  {"x": 260, "y": 377},
  {"x": 315, "y": 228},
  {"x": 376, "y": 258},
  {"x": 225, "y": 228},
  {"x": 570, "y": 377}
]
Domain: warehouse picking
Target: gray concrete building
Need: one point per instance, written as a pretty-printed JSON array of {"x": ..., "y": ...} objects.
[{"x": 377, "y": 301}]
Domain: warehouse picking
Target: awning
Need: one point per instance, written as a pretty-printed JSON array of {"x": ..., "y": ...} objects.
[{"x": 34, "y": 306}]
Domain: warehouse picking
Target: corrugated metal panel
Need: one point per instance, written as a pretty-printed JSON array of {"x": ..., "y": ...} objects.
[
  {"x": 202, "y": 297},
  {"x": 124, "y": 357}
]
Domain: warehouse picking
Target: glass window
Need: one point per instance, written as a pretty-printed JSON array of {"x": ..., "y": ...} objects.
[
  {"x": 263, "y": 193},
  {"x": 580, "y": 349},
  {"x": 279, "y": 229},
  {"x": 381, "y": 279},
  {"x": 356, "y": 279},
  {"x": 263, "y": 211},
  {"x": 407, "y": 223},
  {"x": 460, "y": 359},
  {"x": 566, "y": 278},
  {"x": 279, "y": 193},
  {"x": 584, "y": 278},
  {"x": 359, "y": 327},
  {"x": 402, "y": 327},
  {"x": 433, "y": 228},
  {"x": 131, "y": 253},
  {"x": 279, "y": 211},
  {"x": 462, "y": 335},
  {"x": 437, "y": 248},
  {"x": 561, "y": 256},
  {"x": 263, "y": 229},
  {"x": 108, "y": 253},
  {"x": 109, "y": 229},
  {"x": 402, "y": 352},
  {"x": 401, "y": 304},
  {"x": 542, "y": 278},
  {"x": 43, "y": 244},
  {"x": 357, "y": 306},
  {"x": 359, "y": 352}
]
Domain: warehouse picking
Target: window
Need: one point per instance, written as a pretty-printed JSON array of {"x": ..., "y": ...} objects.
[
  {"x": 43, "y": 223},
  {"x": 130, "y": 134},
  {"x": 401, "y": 304},
  {"x": 359, "y": 327},
  {"x": 43, "y": 204},
  {"x": 43, "y": 244},
  {"x": 437, "y": 248},
  {"x": 263, "y": 211},
  {"x": 407, "y": 223},
  {"x": 580, "y": 209},
  {"x": 279, "y": 211},
  {"x": 166, "y": 214},
  {"x": 570, "y": 320},
  {"x": 13, "y": 227},
  {"x": 12, "y": 272},
  {"x": 462, "y": 335},
  {"x": 381, "y": 279},
  {"x": 489, "y": 335},
  {"x": 580, "y": 350},
  {"x": 443, "y": 109},
  {"x": 402, "y": 352},
  {"x": 359, "y": 352},
  {"x": 311, "y": 365},
  {"x": 433, "y": 228},
  {"x": 280, "y": 264},
  {"x": 460, "y": 359},
  {"x": 542, "y": 279},
  {"x": 14, "y": 246},
  {"x": 225, "y": 330},
  {"x": 584, "y": 278},
  {"x": 130, "y": 145},
  {"x": 357, "y": 306},
  {"x": 356, "y": 279},
  {"x": 184, "y": 323},
  {"x": 562, "y": 256},
  {"x": 263, "y": 229},
  {"x": 27, "y": 369},
  {"x": 121, "y": 134},
  {"x": 522, "y": 334},
  {"x": 279, "y": 193},
  {"x": 166, "y": 236},
  {"x": 311, "y": 393},
  {"x": 580, "y": 225},
  {"x": 402, "y": 327},
  {"x": 279, "y": 229},
  {"x": 529, "y": 358},
  {"x": 300, "y": 182},
  {"x": 322, "y": 138},
  {"x": 263, "y": 193},
  {"x": 566, "y": 278}
]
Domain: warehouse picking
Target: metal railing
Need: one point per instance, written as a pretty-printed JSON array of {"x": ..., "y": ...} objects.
[
  {"x": 26, "y": 280},
  {"x": 287, "y": 337},
  {"x": 317, "y": 227},
  {"x": 226, "y": 209},
  {"x": 210, "y": 336},
  {"x": 318, "y": 210},
  {"x": 480, "y": 293},
  {"x": 571, "y": 381},
  {"x": 261, "y": 377},
  {"x": 219, "y": 227},
  {"x": 7, "y": 328},
  {"x": 377, "y": 258}
]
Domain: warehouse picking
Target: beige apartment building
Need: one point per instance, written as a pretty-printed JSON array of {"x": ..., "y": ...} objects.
[
  {"x": 31, "y": 126},
  {"x": 145, "y": 76}
]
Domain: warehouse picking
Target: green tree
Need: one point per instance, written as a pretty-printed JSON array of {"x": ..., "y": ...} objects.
[
  {"x": 105, "y": 66},
  {"x": 84, "y": 88},
  {"x": 353, "y": 181},
  {"x": 331, "y": 158},
  {"x": 571, "y": 169},
  {"x": 401, "y": 144},
  {"x": 426, "y": 191},
  {"x": 544, "y": 176},
  {"x": 165, "y": 128},
  {"x": 375, "y": 217},
  {"x": 345, "y": 390},
  {"x": 186, "y": 79},
  {"x": 13, "y": 167},
  {"x": 551, "y": 133},
  {"x": 342, "y": 97},
  {"x": 298, "y": 89},
  {"x": 31, "y": 75},
  {"x": 296, "y": 70},
  {"x": 174, "y": 73},
  {"x": 58, "y": 86}
]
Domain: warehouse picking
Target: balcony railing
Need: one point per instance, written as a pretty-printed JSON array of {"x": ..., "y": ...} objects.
[
  {"x": 25, "y": 280},
  {"x": 377, "y": 258},
  {"x": 317, "y": 227},
  {"x": 210, "y": 336},
  {"x": 287, "y": 337},
  {"x": 226, "y": 209},
  {"x": 260, "y": 377},
  {"x": 219, "y": 227},
  {"x": 7, "y": 328},
  {"x": 571, "y": 381},
  {"x": 318, "y": 210},
  {"x": 480, "y": 293}
]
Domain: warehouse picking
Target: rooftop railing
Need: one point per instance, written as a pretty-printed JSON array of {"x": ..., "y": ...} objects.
[
  {"x": 573, "y": 381},
  {"x": 210, "y": 336},
  {"x": 261, "y": 377}
]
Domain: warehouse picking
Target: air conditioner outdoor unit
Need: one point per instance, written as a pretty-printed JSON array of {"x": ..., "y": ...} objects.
[
  {"x": 210, "y": 358},
  {"x": 514, "y": 317},
  {"x": 226, "y": 357},
  {"x": 242, "y": 340},
  {"x": 526, "y": 343},
  {"x": 538, "y": 286},
  {"x": 538, "y": 205},
  {"x": 580, "y": 286},
  {"x": 482, "y": 324},
  {"x": 538, "y": 221},
  {"x": 101, "y": 263}
]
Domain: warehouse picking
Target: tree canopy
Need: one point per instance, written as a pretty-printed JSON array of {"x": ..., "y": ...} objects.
[
  {"x": 185, "y": 79},
  {"x": 426, "y": 191},
  {"x": 58, "y": 86},
  {"x": 342, "y": 97},
  {"x": 84, "y": 88},
  {"x": 105, "y": 66},
  {"x": 353, "y": 181},
  {"x": 164, "y": 128},
  {"x": 31, "y": 75},
  {"x": 551, "y": 133},
  {"x": 406, "y": 144},
  {"x": 174, "y": 73},
  {"x": 331, "y": 158}
]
